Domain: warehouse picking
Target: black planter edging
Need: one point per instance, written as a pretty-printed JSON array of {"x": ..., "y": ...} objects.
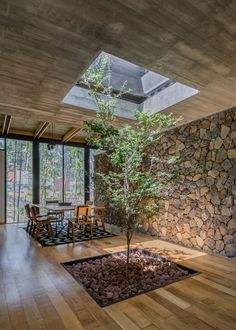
[{"x": 191, "y": 271}]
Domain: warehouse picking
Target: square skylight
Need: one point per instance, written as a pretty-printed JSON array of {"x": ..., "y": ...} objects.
[{"x": 146, "y": 90}]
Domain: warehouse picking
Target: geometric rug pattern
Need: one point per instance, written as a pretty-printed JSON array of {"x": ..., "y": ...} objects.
[{"x": 61, "y": 237}]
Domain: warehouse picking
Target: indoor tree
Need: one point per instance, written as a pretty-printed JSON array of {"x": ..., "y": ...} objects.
[{"x": 132, "y": 185}]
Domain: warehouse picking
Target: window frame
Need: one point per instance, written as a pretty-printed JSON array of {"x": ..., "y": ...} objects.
[{"x": 36, "y": 164}]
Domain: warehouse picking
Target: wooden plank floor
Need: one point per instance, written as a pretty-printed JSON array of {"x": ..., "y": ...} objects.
[{"x": 37, "y": 293}]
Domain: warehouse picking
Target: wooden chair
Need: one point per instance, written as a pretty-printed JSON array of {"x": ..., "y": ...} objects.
[
  {"x": 30, "y": 222},
  {"x": 41, "y": 224},
  {"x": 99, "y": 216},
  {"x": 81, "y": 219},
  {"x": 53, "y": 217}
]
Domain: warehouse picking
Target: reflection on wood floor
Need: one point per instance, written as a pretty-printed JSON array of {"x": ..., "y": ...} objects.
[{"x": 36, "y": 292}]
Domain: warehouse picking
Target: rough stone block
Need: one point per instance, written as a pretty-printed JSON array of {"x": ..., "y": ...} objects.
[
  {"x": 179, "y": 145},
  {"x": 234, "y": 190},
  {"x": 226, "y": 211},
  {"x": 203, "y": 190},
  {"x": 179, "y": 236},
  {"x": 205, "y": 215},
  {"x": 215, "y": 199},
  {"x": 197, "y": 177},
  {"x": 228, "y": 201},
  {"x": 218, "y": 143},
  {"x": 199, "y": 222},
  {"x": 217, "y": 235},
  {"x": 232, "y": 153},
  {"x": 210, "y": 208},
  {"x": 230, "y": 250},
  {"x": 210, "y": 243},
  {"x": 224, "y": 130},
  {"x": 186, "y": 228},
  {"x": 221, "y": 155},
  {"x": 220, "y": 245},
  {"x": 228, "y": 239},
  {"x": 223, "y": 229},
  {"x": 231, "y": 226},
  {"x": 200, "y": 241},
  {"x": 163, "y": 231},
  {"x": 213, "y": 173},
  {"x": 210, "y": 181},
  {"x": 226, "y": 164},
  {"x": 232, "y": 172}
]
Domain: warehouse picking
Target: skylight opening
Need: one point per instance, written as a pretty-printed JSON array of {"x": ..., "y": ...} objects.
[{"x": 147, "y": 91}]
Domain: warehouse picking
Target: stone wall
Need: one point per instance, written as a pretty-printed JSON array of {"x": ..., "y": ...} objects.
[{"x": 200, "y": 209}]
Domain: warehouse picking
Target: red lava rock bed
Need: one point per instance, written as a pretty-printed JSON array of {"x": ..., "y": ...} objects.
[{"x": 107, "y": 280}]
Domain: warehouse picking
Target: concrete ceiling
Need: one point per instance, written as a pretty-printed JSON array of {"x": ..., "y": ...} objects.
[{"x": 45, "y": 45}]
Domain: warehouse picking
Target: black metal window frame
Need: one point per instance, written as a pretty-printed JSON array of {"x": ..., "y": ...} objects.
[{"x": 36, "y": 165}]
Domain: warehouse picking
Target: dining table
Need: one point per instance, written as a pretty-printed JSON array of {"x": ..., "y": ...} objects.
[
  {"x": 60, "y": 209},
  {"x": 57, "y": 208}
]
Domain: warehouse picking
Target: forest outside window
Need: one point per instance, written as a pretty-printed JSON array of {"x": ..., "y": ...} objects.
[
  {"x": 51, "y": 178},
  {"x": 2, "y": 144},
  {"x": 61, "y": 174},
  {"x": 74, "y": 174},
  {"x": 18, "y": 178}
]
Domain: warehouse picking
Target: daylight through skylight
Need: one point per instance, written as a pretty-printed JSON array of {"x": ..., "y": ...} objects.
[{"x": 146, "y": 90}]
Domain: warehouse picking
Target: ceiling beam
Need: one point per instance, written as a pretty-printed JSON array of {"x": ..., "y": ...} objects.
[
  {"x": 56, "y": 137},
  {"x": 41, "y": 129},
  {"x": 70, "y": 134},
  {"x": 6, "y": 124}
]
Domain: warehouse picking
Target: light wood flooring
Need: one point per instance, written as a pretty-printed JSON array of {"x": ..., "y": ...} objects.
[{"x": 36, "y": 292}]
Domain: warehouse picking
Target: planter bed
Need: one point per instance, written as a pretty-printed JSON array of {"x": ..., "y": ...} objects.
[{"x": 107, "y": 280}]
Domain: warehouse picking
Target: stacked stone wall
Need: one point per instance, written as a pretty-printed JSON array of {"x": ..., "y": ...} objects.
[{"x": 200, "y": 210}]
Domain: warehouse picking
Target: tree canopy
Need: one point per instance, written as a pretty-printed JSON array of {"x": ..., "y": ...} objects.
[{"x": 132, "y": 186}]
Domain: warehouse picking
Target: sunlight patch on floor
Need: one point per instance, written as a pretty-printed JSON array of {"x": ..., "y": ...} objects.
[{"x": 169, "y": 250}]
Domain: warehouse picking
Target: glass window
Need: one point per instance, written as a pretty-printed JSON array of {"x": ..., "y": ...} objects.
[
  {"x": 51, "y": 179},
  {"x": 2, "y": 143},
  {"x": 18, "y": 178},
  {"x": 74, "y": 174},
  {"x": 92, "y": 153}
]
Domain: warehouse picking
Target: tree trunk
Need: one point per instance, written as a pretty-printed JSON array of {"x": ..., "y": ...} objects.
[{"x": 129, "y": 235}]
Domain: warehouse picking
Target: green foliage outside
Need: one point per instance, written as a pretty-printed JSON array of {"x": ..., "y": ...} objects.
[
  {"x": 51, "y": 176},
  {"x": 19, "y": 175},
  {"x": 132, "y": 186},
  {"x": 19, "y": 178},
  {"x": 50, "y": 172}
]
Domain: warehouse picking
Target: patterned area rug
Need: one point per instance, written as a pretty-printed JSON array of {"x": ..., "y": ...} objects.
[{"x": 61, "y": 237}]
